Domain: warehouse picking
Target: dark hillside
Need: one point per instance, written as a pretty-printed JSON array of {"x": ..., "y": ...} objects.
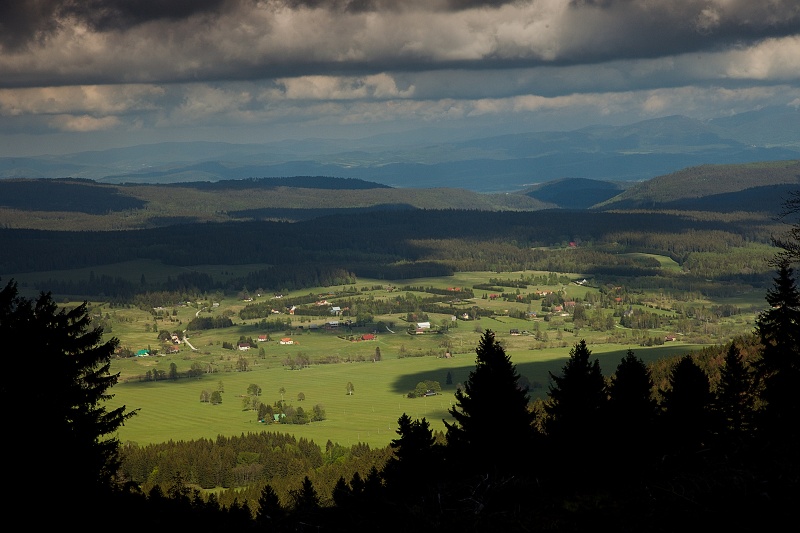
[
  {"x": 371, "y": 239},
  {"x": 301, "y": 182},
  {"x": 761, "y": 199},
  {"x": 575, "y": 193},
  {"x": 293, "y": 214},
  {"x": 65, "y": 195}
]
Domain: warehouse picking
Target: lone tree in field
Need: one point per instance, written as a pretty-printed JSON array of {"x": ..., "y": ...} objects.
[
  {"x": 71, "y": 445},
  {"x": 350, "y": 389},
  {"x": 489, "y": 410}
]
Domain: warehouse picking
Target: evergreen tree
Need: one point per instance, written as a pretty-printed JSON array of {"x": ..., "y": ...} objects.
[
  {"x": 306, "y": 500},
  {"x": 686, "y": 418},
  {"x": 575, "y": 409},
  {"x": 270, "y": 511},
  {"x": 779, "y": 369},
  {"x": 342, "y": 495},
  {"x": 630, "y": 393},
  {"x": 631, "y": 412},
  {"x": 734, "y": 397},
  {"x": 493, "y": 427},
  {"x": 413, "y": 465},
  {"x": 72, "y": 443}
]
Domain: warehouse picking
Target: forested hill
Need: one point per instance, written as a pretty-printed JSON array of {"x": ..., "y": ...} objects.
[
  {"x": 82, "y": 205},
  {"x": 301, "y": 182},
  {"x": 576, "y": 193},
  {"x": 747, "y": 187}
]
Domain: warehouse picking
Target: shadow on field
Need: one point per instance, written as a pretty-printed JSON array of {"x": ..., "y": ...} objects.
[{"x": 535, "y": 374}]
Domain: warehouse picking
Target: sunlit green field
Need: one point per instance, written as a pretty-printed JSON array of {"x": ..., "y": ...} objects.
[{"x": 172, "y": 410}]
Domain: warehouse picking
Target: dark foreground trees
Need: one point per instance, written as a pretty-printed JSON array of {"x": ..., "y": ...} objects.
[
  {"x": 491, "y": 401},
  {"x": 59, "y": 433}
]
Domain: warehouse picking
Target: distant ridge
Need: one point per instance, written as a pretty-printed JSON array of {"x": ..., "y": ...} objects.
[
  {"x": 301, "y": 182},
  {"x": 495, "y": 164},
  {"x": 749, "y": 187}
]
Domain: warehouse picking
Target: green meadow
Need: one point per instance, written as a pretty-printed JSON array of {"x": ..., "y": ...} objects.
[{"x": 172, "y": 410}]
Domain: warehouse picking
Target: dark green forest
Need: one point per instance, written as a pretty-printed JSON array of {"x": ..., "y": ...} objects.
[{"x": 402, "y": 245}]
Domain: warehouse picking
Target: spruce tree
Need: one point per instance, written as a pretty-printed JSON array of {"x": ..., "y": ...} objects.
[
  {"x": 734, "y": 396},
  {"x": 414, "y": 464},
  {"x": 631, "y": 412},
  {"x": 68, "y": 439},
  {"x": 630, "y": 393},
  {"x": 493, "y": 430},
  {"x": 270, "y": 512},
  {"x": 686, "y": 420},
  {"x": 306, "y": 500},
  {"x": 779, "y": 368},
  {"x": 574, "y": 411},
  {"x": 576, "y": 397}
]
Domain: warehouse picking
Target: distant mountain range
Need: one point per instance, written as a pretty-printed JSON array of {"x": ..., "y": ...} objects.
[
  {"x": 82, "y": 204},
  {"x": 514, "y": 162}
]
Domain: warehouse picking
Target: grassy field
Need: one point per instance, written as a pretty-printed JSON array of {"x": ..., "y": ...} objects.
[{"x": 172, "y": 410}]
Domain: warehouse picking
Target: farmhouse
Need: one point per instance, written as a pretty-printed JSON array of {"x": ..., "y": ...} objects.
[
  {"x": 287, "y": 340},
  {"x": 514, "y": 332},
  {"x": 368, "y": 337},
  {"x": 243, "y": 346},
  {"x": 336, "y": 310},
  {"x": 423, "y": 325},
  {"x": 262, "y": 338},
  {"x": 142, "y": 353}
]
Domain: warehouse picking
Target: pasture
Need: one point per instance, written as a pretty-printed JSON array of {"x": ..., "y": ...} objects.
[{"x": 172, "y": 409}]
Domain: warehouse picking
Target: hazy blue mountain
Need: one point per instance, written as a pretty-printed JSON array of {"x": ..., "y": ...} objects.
[{"x": 500, "y": 163}]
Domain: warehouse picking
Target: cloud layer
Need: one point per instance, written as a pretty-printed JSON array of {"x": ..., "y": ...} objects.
[{"x": 120, "y": 65}]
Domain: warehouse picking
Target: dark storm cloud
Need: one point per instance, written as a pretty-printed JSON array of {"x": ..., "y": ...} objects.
[
  {"x": 25, "y": 21},
  {"x": 106, "y": 65},
  {"x": 620, "y": 29},
  {"x": 105, "y": 15},
  {"x": 360, "y": 6}
]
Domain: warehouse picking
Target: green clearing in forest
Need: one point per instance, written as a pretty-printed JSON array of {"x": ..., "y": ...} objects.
[{"x": 172, "y": 410}]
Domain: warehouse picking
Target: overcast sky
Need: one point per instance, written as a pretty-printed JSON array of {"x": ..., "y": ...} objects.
[{"x": 87, "y": 74}]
